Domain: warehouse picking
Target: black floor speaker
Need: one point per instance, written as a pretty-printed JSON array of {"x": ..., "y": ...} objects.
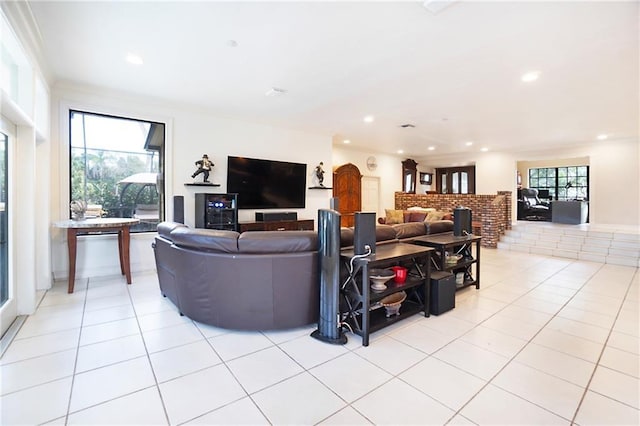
[
  {"x": 461, "y": 221},
  {"x": 178, "y": 208},
  {"x": 364, "y": 232},
  {"x": 443, "y": 292}
]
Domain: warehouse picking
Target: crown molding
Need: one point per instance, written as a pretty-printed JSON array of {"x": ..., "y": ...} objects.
[{"x": 24, "y": 24}]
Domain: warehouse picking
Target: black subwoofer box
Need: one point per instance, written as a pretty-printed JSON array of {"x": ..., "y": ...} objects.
[
  {"x": 275, "y": 216},
  {"x": 364, "y": 232},
  {"x": 443, "y": 292}
]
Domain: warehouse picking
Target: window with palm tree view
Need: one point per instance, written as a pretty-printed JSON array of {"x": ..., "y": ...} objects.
[{"x": 117, "y": 167}]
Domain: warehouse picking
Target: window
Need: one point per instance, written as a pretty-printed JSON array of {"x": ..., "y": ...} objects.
[
  {"x": 563, "y": 183},
  {"x": 117, "y": 167}
]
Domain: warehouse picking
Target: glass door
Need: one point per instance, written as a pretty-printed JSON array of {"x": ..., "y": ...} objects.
[{"x": 8, "y": 303}]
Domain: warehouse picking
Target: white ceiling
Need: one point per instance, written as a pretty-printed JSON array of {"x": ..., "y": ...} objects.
[{"x": 455, "y": 75}]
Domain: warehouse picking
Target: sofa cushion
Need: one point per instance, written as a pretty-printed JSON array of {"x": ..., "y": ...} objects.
[
  {"x": 394, "y": 216},
  {"x": 205, "y": 239},
  {"x": 435, "y": 215},
  {"x": 438, "y": 226},
  {"x": 385, "y": 233},
  {"x": 165, "y": 228},
  {"x": 346, "y": 237},
  {"x": 277, "y": 241},
  {"x": 409, "y": 230}
]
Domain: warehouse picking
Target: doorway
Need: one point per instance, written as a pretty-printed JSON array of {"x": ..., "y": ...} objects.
[{"x": 370, "y": 194}]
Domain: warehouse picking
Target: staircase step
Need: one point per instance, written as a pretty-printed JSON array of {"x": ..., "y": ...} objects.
[{"x": 612, "y": 244}]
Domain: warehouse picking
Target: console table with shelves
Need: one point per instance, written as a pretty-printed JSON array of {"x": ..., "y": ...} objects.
[
  {"x": 360, "y": 306},
  {"x": 450, "y": 244},
  {"x": 278, "y": 225}
]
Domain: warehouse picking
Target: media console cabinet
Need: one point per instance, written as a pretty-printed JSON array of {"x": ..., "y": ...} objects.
[{"x": 278, "y": 225}]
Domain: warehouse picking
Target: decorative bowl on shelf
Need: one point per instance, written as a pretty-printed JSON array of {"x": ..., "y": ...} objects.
[
  {"x": 379, "y": 277},
  {"x": 452, "y": 259},
  {"x": 392, "y": 303}
]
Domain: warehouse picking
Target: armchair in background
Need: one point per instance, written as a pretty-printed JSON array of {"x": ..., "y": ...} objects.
[{"x": 531, "y": 208}]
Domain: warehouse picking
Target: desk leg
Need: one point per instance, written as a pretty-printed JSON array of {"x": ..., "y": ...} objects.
[
  {"x": 124, "y": 253},
  {"x": 72, "y": 243},
  {"x": 478, "y": 264},
  {"x": 120, "y": 249}
]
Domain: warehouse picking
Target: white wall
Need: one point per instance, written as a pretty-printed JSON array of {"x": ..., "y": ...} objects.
[
  {"x": 614, "y": 175},
  {"x": 190, "y": 133}
]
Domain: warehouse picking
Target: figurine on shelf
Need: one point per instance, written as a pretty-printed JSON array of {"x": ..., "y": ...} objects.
[
  {"x": 320, "y": 173},
  {"x": 204, "y": 166}
]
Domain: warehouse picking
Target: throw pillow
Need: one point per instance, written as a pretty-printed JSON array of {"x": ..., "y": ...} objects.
[
  {"x": 394, "y": 216},
  {"x": 421, "y": 209},
  {"x": 431, "y": 216},
  {"x": 415, "y": 216}
]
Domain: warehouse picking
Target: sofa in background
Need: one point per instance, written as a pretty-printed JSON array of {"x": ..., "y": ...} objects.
[{"x": 414, "y": 214}]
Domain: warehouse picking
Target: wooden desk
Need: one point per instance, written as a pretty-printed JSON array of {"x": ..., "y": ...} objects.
[{"x": 92, "y": 225}]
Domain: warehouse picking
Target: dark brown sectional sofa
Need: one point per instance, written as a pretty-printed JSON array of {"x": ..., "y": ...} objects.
[{"x": 258, "y": 280}]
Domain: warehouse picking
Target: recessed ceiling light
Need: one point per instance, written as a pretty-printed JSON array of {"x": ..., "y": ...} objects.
[
  {"x": 602, "y": 137},
  {"x": 346, "y": 141},
  {"x": 275, "y": 91},
  {"x": 431, "y": 148},
  {"x": 232, "y": 43},
  {"x": 530, "y": 76},
  {"x": 400, "y": 151},
  {"x": 134, "y": 59},
  {"x": 368, "y": 119},
  {"x": 485, "y": 149},
  {"x": 469, "y": 143}
]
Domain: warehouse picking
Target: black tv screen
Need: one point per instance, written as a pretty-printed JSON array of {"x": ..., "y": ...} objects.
[{"x": 266, "y": 184}]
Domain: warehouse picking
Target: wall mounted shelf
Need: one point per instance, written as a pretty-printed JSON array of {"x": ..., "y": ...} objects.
[
  {"x": 320, "y": 187},
  {"x": 202, "y": 184}
]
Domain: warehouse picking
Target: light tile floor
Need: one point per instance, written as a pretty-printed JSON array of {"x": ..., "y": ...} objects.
[{"x": 545, "y": 341}]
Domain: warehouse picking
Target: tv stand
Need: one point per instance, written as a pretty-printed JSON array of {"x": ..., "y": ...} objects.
[{"x": 278, "y": 225}]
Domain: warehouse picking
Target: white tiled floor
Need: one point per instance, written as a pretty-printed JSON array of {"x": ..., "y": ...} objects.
[{"x": 545, "y": 341}]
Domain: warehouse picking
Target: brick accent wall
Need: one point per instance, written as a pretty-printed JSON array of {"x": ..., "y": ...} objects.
[{"x": 493, "y": 212}]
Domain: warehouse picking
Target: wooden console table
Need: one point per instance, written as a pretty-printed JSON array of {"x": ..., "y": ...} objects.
[
  {"x": 461, "y": 245},
  {"x": 279, "y": 225},
  {"x": 92, "y": 225},
  {"x": 364, "y": 311}
]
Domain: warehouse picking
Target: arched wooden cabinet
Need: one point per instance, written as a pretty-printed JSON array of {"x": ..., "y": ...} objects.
[
  {"x": 409, "y": 171},
  {"x": 347, "y": 188}
]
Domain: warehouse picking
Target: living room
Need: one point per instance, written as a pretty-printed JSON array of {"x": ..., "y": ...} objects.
[{"x": 40, "y": 255}]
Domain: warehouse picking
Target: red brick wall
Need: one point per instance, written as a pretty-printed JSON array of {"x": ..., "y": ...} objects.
[{"x": 492, "y": 211}]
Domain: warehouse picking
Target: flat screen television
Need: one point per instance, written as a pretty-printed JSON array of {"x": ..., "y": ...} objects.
[{"x": 266, "y": 184}]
